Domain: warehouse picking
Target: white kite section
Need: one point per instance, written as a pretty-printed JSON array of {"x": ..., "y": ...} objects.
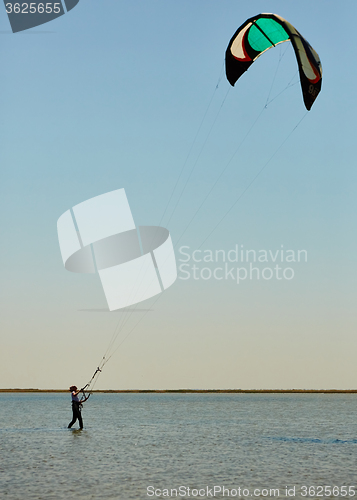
[{"x": 133, "y": 263}]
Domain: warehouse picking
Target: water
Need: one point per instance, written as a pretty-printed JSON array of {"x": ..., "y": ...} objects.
[{"x": 132, "y": 441}]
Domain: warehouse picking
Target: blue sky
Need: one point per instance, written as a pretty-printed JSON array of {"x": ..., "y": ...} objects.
[{"x": 124, "y": 95}]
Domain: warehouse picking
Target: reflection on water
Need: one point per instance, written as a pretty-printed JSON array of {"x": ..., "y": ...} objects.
[
  {"x": 132, "y": 441},
  {"x": 315, "y": 440}
]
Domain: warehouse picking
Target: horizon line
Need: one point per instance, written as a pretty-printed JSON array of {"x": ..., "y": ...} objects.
[{"x": 197, "y": 391}]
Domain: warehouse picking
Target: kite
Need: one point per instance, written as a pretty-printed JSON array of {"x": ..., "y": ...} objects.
[{"x": 264, "y": 31}]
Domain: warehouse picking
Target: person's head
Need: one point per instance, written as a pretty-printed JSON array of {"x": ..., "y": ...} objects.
[{"x": 73, "y": 388}]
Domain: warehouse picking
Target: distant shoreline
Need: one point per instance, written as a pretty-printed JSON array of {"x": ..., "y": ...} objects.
[{"x": 195, "y": 391}]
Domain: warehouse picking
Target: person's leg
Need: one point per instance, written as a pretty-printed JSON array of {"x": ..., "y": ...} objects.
[
  {"x": 80, "y": 419},
  {"x": 74, "y": 418}
]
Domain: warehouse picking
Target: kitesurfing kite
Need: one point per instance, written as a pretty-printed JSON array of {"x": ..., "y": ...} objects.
[{"x": 260, "y": 33}]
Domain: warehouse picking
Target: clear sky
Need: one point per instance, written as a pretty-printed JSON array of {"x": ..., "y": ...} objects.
[{"x": 120, "y": 94}]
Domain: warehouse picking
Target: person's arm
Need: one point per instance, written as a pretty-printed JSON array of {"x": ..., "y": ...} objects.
[{"x": 78, "y": 392}]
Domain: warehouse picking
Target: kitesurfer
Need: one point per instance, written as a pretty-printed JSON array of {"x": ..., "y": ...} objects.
[{"x": 76, "y": 406}]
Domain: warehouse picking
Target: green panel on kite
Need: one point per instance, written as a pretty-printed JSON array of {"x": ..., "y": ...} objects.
[
  {"x": 273, "y": 31},
  {"x": 257, "y": 40}
]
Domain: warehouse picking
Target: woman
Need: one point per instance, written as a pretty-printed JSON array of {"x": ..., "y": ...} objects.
[{"x": 76, "y": 406}]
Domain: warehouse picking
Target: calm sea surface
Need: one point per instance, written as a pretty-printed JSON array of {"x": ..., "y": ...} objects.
[{"x": 197, "y": 441}]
